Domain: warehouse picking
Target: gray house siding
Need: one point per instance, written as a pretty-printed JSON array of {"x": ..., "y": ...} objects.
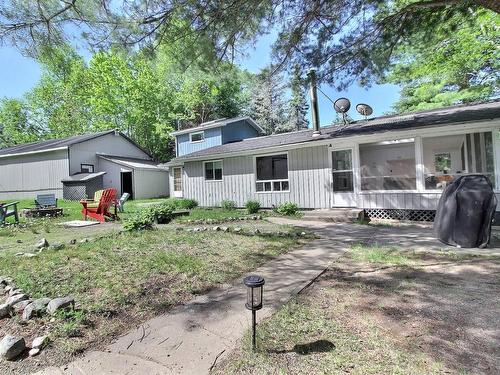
[
  {"x": 24, "y": 176},
  {"x": 85, "y": 152},
  {"x": 308, "y": 174},
  {"x": 212, "y": 137},
  {"x": 238, "y": 131}
]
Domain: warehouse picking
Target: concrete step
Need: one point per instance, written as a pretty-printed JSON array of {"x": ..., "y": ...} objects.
[{"x": 335, "y": 215}]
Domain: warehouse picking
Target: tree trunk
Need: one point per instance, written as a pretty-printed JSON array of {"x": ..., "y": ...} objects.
[{"x": 493, "y": 5}]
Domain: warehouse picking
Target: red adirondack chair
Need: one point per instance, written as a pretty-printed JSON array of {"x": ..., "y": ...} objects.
[{"x": 101, "y": 212}]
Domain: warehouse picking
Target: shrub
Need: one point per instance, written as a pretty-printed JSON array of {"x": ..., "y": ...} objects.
[
  {"x": 144, "y": 219},
  {"x": 185, "y": 204},
  {"x": 252, "y": 207},
  {"x": 287, "y": 209},
  {"x": 227, "y": 204}
]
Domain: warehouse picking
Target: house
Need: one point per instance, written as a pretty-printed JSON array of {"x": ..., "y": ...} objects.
[
  {"x": 391, "y": 166},
  {"x": 75, "y": 167}
]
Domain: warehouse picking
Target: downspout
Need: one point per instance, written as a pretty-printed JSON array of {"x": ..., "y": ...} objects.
[{"x": 314, "y": 103}]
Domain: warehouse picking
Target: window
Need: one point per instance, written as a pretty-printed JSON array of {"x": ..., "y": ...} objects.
[
  {"x": 272, "y": 173},
  {"x": 86, "y": 168},
  {"x": 197, "y": 137},
  {"x": 388, "y": 165},
  {"x": 445, "y": 157},
  {"x": 177, "y": 179},
  {"x": 213, "y": 170}
]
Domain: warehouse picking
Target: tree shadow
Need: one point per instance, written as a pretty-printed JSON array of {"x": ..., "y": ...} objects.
[{"x": 318, "y": 346}]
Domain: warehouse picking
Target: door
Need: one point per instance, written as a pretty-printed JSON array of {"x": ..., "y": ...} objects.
[
  {"x": 126, "y": 182},
  {"x": 343, "y": 179},
  {"x": 178, "y": 182}
]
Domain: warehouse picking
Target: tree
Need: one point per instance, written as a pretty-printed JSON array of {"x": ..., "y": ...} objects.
[
  {"x": 15, "y": 125},
  {"x": 268, "y": 106},
  {"x": 298, "y": 106},
  {"x": 463, "y": 66}
]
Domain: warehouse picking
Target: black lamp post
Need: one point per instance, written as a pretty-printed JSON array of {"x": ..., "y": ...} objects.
[{"x": 255, "y": 288}]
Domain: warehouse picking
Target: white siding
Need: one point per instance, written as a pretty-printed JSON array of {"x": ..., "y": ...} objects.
[
  {"x": 111, "y": 144},
  {"x": 308, "y": 174},
  {"x": 25, "y": 176},
  {"x": 150, "y": 184}
]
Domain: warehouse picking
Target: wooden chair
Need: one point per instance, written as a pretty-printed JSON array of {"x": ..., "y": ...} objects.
[
  {"x": 45, "y": 200},
  {"x": 5, "y": 213},
  {"x": 121, "y": 202},
  {"x": 101, "y": 212}
]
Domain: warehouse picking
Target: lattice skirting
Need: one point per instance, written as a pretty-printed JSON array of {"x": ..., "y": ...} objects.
[{"x": 395, "y": 214}]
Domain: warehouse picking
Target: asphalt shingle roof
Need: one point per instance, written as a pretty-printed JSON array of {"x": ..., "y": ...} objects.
[
  {"x": 51, "y": 143},
  {"x": 442, "y": 116}
]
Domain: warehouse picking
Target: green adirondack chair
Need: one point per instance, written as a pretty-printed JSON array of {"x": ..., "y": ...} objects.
[{"x": 8, "y": 209}]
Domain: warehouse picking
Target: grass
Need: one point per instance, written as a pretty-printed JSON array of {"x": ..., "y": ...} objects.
[
  {"x": 381, "y": 254},
  {"x": 124, "y": 278},
  {"x": 218, "y": 214}
]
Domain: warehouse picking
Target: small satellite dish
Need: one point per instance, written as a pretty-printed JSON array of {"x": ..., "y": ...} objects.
[
  {"x": 364, "y": 109},
  {"x": 342, "y": 105}
]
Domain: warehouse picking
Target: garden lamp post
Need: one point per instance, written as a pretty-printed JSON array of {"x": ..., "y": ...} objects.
[{"x": 255, "y": 287}]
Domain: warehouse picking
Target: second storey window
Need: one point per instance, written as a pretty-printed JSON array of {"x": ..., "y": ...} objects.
[
  {"x": 87, "y": 168},
  {"x": 197, "y": 137},
  {"x": 272, "y": 173},
  {"x": 213, "y": 170}
]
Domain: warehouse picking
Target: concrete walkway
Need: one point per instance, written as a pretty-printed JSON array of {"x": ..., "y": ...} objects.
[{"x": 190, "y": 338}]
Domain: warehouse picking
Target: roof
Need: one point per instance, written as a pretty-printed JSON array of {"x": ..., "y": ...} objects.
[
  {"x": 133, "y": 163},
  {"x": 436, "y": 117},
  {"x": 59, "y": 144},
  {"x": 83, "y": 177},
  {"x": 218, "y": 124}
]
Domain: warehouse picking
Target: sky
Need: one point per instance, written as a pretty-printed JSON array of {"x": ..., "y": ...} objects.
[{"x": 18, "y": 74}]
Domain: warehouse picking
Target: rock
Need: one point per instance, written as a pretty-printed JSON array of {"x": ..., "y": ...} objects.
[
  {"x": 179, "y": 229},
  {"x": 84, "y": 240},
  {"x": 5, "y": 310},
  {"x": 224, "y": 229},
  {"x": 197, "y": 230},
  {"x": 8, "y": 288},
  {"x": 19, "y": 241},
  {"x": 189, "y": 229},
  {"x": 256, "y": 231},
  {"x": 11, "y": 347},
  {"x": 237, "y": 230},
  {"x": 40, "y": 342},
  {"x": 14, "y": 291},
  {"x": 56, "y": 246},
  {"x": 33, "y": 352},
  {"x": 60, "y": 304},
  {"x": 259, "y": 217},
  {"x": 29, "y": 255},
  {"x": 16, "y": 298},
  {"x": 72, "y": 242},
  {"x": 4, "y": 281},
  {"x": 19, "y": 254},
  {"x": 302, "y": 234},
  {"x": 42, "y": 243},
  {"x": 216, "y": 229},
  {"x": 35, "y": 308},
  {"x": 21, "y": 305}
]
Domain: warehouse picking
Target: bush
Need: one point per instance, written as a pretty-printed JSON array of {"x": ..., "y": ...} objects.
[
  {"x": 185, "y": 204},
  {"x": 227, "y": 204},
  {"x": 144, "y": 219},
  {"x": 252, "y": 207},
  {"x": 287, "y": 209}
]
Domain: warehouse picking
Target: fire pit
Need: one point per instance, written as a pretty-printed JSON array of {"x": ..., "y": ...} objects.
[{"x": 42, "y": 212}]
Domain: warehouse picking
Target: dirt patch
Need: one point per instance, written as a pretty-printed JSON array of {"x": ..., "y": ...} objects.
[{"x": 448, "y": 310}]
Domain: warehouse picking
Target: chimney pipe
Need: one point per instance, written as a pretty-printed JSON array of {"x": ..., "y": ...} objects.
[{"x": 314, "y": 103}]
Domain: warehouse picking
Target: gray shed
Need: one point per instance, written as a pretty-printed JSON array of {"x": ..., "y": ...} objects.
[{"x": 82, "y": 185}]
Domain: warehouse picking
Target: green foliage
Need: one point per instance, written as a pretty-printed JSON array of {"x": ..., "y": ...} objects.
[
  {"x": 182, "y": 203},
  {"x": 462, "y": 65},
  {"x": 144, "y": 219},
  {"x": 252, "y": 207},
  {"x": 227, "y": 204},
  {"x": 287, "y": 209},
  {"x": 298, "y": 105},
  {"x": 16, "y": 126}
]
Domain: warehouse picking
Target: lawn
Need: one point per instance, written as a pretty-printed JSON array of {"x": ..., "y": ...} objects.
[
  {"x": 120, "y": 279},
  {"x": 382, "y": 310}
]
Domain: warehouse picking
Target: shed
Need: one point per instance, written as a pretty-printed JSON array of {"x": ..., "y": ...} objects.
[{"x": 82, "y": 185}]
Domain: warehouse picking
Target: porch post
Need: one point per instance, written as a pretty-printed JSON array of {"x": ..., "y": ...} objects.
[{"x": 419, "y": 164}]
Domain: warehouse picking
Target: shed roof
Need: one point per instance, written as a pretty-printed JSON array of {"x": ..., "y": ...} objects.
[
  {"x": 83, "y": 177},
  {"x": 132, "y": 163},
  {"x": 218, "y": 124},
  {"x": 443, "y": 116}
]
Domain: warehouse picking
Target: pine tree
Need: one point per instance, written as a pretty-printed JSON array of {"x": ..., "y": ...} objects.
[
  {"x": 268, "y": 106},
  {"x": 298, "y": 107}
]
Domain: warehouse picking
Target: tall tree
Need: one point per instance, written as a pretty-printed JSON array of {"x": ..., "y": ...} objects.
[
  {"x": 15, "y": 124},
  {"x": 268, "y": 106},
  {"x": 463, "y": 66},
  {"x": 298, "y": 106}
]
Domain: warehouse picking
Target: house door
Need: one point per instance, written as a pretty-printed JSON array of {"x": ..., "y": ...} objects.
[
  {"x": 126, "y": 182},
  {"x": 343, "y": 179},
  {"x": 178, "y": 182}
]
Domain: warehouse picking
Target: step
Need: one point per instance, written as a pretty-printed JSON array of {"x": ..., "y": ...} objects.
[{"x": 336, "y": 215}]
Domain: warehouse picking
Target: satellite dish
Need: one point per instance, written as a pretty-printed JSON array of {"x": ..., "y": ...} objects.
[
  {"x": 364, "y": 109},
  {"x": 342, "y": 105}
]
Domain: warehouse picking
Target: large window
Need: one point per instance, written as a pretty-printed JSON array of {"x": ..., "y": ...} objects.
[
  {"x": 449, "y": 156},
  {"x": 272, "y": 173},
  {"x": 388, "y": 165},
  {"x": 197, "y": 137},
  {"x": 213, "y": 170}
]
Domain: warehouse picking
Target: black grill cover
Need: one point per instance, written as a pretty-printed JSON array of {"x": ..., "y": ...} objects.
[{"x": 465, "y": 212}]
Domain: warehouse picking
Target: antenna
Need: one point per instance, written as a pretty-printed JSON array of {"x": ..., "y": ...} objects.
[
  {"x": 364, "y": 109},
  {"x": 342, "y": 105}
]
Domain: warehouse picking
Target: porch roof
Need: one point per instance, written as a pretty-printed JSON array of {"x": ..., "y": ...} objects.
[{"x": 443, "y": 116}]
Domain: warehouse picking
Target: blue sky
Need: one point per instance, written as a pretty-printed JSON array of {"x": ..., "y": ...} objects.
[{"x": 18, "y": 74}]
